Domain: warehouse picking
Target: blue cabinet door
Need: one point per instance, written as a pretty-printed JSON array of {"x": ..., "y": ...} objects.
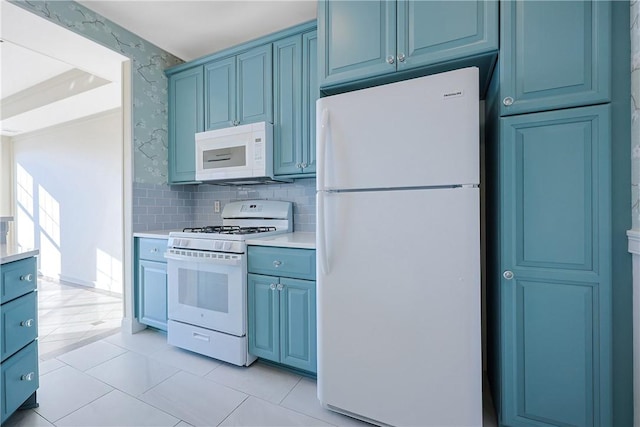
[
  {"x": 431, "y": 32},
  {"x": 186, "y": 117},
  {"x": 298, "y": 323},
  {"x": 152, "y": 293},
  {"x": 287, "y": 88},
  {"x": 220, "y": 90},
  {"x": 554, "y": 55},
  {"x": 355, "y": 39},
  {"x": 18, "y": 324},
  {"x": 310, "y": 94},
  {"x": 255, "y": 86},
  {"x": 556, "y": 268},
  {"x": 263, "y": 331}
]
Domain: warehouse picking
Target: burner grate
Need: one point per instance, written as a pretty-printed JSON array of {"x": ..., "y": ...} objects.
[{"x": 228, "y": 229}]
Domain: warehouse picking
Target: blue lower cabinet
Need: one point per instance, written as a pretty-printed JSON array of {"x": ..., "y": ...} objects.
[
  {"x": 151, "y": 282},
  {"x": 264, "y": 334},
  {"x": 152, "y": 278},
  {"x": 298, "y": 323},
  {"x": 19, "y": 379},
  {"x": 282, "y": 320},
  {"x": 554, "y": 284}
]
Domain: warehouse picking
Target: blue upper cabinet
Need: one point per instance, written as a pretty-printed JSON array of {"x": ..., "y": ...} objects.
[
  {"x": 186, "y": 103},
  {"x": 356, "y": 38},
  {"x": 295, "y": 94},
  {"x": 238, "y": 89},
  {"x": 555, "y": 267},
  {"x": 220, "y": 86},
  {"x": 310, "y": 94},
  {"x": 554, "y": 55},
  {"x": 255, "y": 102},
  {"x": 430, "y": 32},
  {"x": 360, "y": 40},
  {"x": 287, "y": 88}
]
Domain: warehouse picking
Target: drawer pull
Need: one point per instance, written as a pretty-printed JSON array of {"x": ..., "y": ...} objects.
[
  {"x": 26, "y": 277},
  {"x": 28, "y": 377},
  {"x": 27, "y": 323},
  {"x": 277, "y": 263},
  {"x": 154, "y": 250}
]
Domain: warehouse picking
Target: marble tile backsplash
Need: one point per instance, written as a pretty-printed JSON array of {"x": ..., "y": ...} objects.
[{"x": 163, "y": 207}]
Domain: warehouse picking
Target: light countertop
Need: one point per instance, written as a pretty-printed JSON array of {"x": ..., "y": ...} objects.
[
  {"x": 10, "y": 253},
  {"x": 303, "y": 240},
  {"x": 155, "y": 234}
]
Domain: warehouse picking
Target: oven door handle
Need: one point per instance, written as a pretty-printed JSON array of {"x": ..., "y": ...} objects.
[{"x": 209, "y": 259}]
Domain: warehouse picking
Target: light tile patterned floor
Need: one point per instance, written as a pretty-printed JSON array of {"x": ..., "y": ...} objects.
[
  {"x": 140, "y": 380},
  {"x": 72, "y": 316}
]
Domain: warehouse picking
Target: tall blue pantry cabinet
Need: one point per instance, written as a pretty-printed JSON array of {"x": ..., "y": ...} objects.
[{"x": 558, "y": 207}]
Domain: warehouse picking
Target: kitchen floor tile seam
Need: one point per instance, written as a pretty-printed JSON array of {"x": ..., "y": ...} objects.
[
  {"x": 58, "y": 419},
  {"x": 140, "y": 400},
  {"x": 289, "y": 392},
  {"x": 188, "y": 373},
  {"x": 234, "y": 409},
  {"x": 151, "y": 355},
  {"x": 124, "y": 391},
  {"x": 246, "y": 392},
  {"x": 271, "y": 403}
]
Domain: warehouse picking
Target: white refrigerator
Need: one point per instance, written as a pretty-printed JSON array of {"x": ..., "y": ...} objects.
[{"x": 398, "y": 252}]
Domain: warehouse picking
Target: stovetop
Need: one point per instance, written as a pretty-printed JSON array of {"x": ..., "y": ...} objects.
[{"x": 253, "y": 218}]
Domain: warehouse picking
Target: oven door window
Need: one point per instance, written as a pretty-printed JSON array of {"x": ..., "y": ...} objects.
[
  {"x": 208, "y": 295},
  {"x": 203, "y": 290}
]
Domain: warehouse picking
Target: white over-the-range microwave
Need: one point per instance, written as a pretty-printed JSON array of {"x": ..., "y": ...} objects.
[{"x": 236, "y": 155}]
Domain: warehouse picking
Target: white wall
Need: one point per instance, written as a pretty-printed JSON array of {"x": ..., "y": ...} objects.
[
  {"x": 69, "y": 199},
  {"x": 6, "y": 177}
]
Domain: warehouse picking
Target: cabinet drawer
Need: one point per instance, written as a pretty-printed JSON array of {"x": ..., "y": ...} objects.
[
  {"x": 19, "y": 379},
  {"x": 17, "y": 278},
  {"x": 152, "y": 249},
  {"x": 19, "y": 324},
  {"x": 284, "y": 262}
]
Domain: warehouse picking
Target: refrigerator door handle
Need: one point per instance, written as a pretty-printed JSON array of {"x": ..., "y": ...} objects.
[
  {"x": 323, "y": 130},
  {"x": 322, "y": 236}
]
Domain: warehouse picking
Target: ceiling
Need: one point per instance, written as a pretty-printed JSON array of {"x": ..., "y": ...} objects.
[
  {"x": 191, "y": 29},
  {"x": 39, "y": 68}
]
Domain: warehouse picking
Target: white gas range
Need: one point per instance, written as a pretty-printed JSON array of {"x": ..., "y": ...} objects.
[{"x": 207, "y": 279}]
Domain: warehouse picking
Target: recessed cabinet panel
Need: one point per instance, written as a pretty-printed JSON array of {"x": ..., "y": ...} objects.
[
  {"x": 152, "y": 279},
  {"x": 18, "y": 324},
  {"x": 19, "y": 379},
  {"x": 431, "y": 32},
  {"x": 288, "y": 105},
  {"x": 17, "y": 278},
  {"x": 263, "y": 310},
  {"x": 310, "y": 94},
  {"x": 220, "y": 84},
  {"x": 356, "y": 40},
  {"x": 186, "y": 103},
  {"x": 555, "y": 185},
  {"x": 554, "y": 54},
  {"x": 255, "y": 86},
  {"x": 555, "y": 282},
  {"x": 556, "y": 346},
  {"x": 298, "y": 323}
]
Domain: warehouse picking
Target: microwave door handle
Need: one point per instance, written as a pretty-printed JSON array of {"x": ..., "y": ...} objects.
[{"x": 218, "y": 160}]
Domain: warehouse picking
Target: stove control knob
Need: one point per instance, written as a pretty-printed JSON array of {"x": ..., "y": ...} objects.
[{"x": 227, "y": 246}]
